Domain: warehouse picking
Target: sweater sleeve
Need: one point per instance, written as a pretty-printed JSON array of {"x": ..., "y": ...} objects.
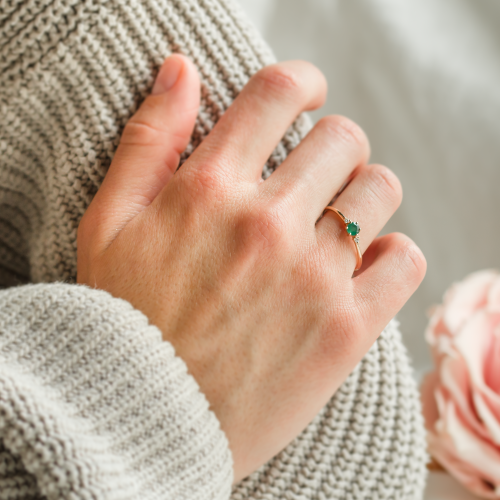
[{"x": 93, "y": 404}]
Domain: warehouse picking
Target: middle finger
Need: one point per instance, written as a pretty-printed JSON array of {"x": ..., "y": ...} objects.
[{"x": 253, "y": 125}]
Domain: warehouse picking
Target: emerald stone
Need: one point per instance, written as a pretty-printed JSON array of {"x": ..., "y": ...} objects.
[{"x": 353, "y": 229}]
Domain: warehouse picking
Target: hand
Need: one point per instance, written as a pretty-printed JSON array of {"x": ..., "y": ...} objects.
[{"x": 256, "y": 296}]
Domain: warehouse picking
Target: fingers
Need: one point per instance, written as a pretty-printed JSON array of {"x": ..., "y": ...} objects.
[
  {"x": 393, "y": 270},
  {"x": 370, "y": 199},
  {"x": 150, "y": 148},
  {"x": 318, "y": 167},
  {"x": 250, "y": 129}
]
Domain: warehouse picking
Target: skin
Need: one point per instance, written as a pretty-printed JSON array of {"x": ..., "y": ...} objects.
[{"x": 256, "y": 295}]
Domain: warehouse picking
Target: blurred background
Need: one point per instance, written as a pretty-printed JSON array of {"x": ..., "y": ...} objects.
[{"x": 422, "y": 78}]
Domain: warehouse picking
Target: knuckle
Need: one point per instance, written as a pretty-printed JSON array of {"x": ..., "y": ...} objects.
[
  {"x": 411, "y": 260},
  {"x": 340, "y": 127},
  {"x": 141, "y": 133},
  {"x": 265, "y": 227},
  {"x": 414, "y": 255},
  {"x": 204, "y": 184},
  {"x": 388, "y": 183},
  {"x": 279, "y": 80}
]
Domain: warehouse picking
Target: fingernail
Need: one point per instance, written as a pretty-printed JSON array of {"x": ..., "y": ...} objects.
[{"x": 168, "y": 75}]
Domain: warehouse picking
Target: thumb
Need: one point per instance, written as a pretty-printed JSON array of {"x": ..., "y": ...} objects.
[{"x": 149, "y": 150}]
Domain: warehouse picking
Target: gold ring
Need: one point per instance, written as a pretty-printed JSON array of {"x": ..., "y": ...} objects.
[{"x": 352, "y": 229}]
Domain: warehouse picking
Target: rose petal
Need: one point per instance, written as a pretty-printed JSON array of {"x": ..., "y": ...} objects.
[
  {"x": 470, "y": 448},
  {"x": 464, "y": 298},
  {"x": 461, "y": 399},
  {"x": 491, "y": 370},
  {"x": 436, "y": 326},
  {"x": 494, "y": 296},
  {"x": 487, "y": 416},
  {"x": 442, "y": 444},
  {"x": 454, "y": 377},
  {"x": 474, "y": 343},
  {"x": 443, "y": 450}
]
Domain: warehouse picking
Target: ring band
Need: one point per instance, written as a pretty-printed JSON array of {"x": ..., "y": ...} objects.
[{"x": 352, "y": 229}]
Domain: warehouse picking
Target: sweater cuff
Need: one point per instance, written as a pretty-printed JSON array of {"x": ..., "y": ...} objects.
[{"x": 96, "y": 405}]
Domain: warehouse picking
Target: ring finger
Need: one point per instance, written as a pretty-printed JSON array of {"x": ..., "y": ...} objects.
[
  {"x": 370, "y": 199},
  {"x": 318, "y": 167}
]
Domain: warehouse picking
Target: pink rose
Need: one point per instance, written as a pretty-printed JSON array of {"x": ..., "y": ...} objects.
[{"x": 461, "y": 399}]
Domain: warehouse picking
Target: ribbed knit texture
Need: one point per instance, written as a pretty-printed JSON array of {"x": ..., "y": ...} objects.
[
  {"x": 72, "y": 72},
  {"x": 94, "y": 404}
]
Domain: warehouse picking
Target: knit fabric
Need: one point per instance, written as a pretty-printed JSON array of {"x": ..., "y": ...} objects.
[
  {"x": 95, "y": 405},
  {"x": 92, "y": 404}
]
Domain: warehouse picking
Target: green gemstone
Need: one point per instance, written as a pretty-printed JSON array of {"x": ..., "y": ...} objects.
[{"x": 353, "y": 229}]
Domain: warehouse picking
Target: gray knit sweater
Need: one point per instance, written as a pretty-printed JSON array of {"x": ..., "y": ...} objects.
[{"x": 92, "y": 403}]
